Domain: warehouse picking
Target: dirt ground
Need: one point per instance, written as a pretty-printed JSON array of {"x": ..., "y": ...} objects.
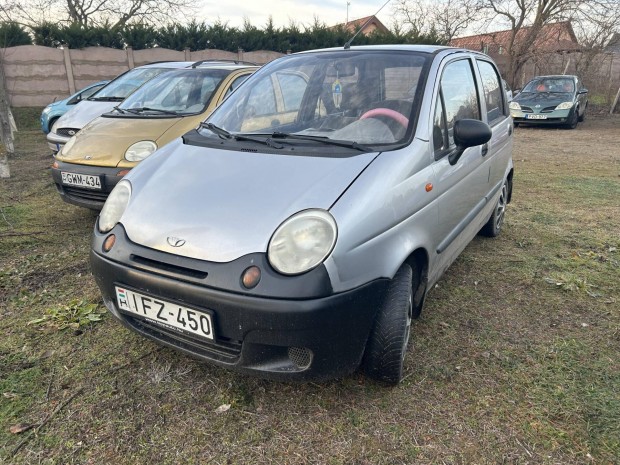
[{"x": 514, "y": 360}]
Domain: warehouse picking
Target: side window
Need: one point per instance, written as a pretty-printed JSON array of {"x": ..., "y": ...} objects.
[
  {"x": 440, "y": 131},
  {"x": 295, "y": 86},
  {"x": 262, "y": 99},
  {"x": 236, "y": 83},
  {"x": 460, "y": 96},
  {"x": 87, "y": 93},
  {"x": 491, "y": 83}
]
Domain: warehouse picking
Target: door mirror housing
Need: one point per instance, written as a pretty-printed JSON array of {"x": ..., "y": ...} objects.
[
  {"x": 469, "y": 133},
  {"x": 583, "y": 91}
]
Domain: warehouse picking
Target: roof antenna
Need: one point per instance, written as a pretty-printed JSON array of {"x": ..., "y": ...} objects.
[{"x": 347, "y": 45}]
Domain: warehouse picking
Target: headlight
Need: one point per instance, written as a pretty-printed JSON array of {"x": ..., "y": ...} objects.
[
  {"x": 564, "y": 106},
  {"x": 302, "y": 242},
  {"x": 514, "y": 106},
  {"x": 140, "y": 150},
  {"x": 115, "y": 206}
]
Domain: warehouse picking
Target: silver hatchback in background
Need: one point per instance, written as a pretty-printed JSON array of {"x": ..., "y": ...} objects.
[{"x": 296, "y": 233}]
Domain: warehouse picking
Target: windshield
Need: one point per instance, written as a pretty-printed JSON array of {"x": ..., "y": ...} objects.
[
  {"x": 181, "y": 92},
  {"x": 126, "y": 83},
  {"x": 553, "y": 85},
  {"x": 365, "y": 97}
]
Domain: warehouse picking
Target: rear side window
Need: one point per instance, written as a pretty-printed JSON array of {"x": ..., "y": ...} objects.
[
  {"x": 491, "y": 84},
  {"x": 458, "y": 99}
]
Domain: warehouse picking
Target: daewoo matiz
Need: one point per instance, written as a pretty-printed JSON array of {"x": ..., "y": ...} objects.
[{"x": 295, "y": 234}]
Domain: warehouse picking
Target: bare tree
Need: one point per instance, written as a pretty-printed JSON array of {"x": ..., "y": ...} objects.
[
  {"x": 448, "y": 18},
  {"x": 114, "y": 13},
  {"x": 526, "y": 20}
]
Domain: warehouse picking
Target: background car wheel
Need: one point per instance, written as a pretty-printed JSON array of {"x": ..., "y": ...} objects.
[
  {"x": 387, "y": 345},
  {"x": 582, "y": 117},
  {"x": 50, "y": 124},
  {"x": 494, "y": 226},
  {"x": 516, "y": 125},
  {"x": 573, "y": 119}
]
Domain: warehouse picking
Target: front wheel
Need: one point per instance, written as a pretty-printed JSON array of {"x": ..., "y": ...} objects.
[
  {"x": 582, "y": 117},
  {"x": 387, "y": 345},
  {"x": 573, "y": 119},
  {"x": 494, "y": 226}
]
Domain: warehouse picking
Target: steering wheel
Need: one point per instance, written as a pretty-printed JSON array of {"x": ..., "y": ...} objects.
[{"x": 396, "y": 116}]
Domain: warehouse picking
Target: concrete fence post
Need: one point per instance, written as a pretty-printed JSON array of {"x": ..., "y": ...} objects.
[
  {"x": 69, "y": 68},
  {"x": 130, "y": 61},
  {"x": 188, "y": 54},
  {"x": 240, "y": 54}
]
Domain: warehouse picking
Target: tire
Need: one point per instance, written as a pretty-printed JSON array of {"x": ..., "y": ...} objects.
[
  {"x": 582, "y": 117},
  {"x": 494, "y": 225},
  {"x": 516, "y": 125},
  {"x": 573, "y": 119},
  {"x": 50, "y": 124},
  {"x": 387, "y": 344}
]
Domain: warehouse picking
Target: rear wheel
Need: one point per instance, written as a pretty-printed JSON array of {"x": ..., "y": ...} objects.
[
  {"x": 387, "y": 345},
  {"x": 494, "y": 226}
]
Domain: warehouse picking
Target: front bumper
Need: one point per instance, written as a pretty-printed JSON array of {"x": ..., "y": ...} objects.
[
  {"x": 553, "y": 117},
  {"x": 82, "y": 196},
  {"x": 55, "y": 142},
  {"x": 261, "y": 331}
]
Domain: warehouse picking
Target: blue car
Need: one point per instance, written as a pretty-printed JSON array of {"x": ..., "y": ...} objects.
[{"x": 55, "y": 110}]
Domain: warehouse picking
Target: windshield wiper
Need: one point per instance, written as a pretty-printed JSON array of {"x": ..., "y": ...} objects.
[
  {"x": 156, "y": 110},
  {"x": 323, "y": 139},
  {"x": 107, "y": 99},
  {"x": 120, "y": 110},
  {"x": 224, "y": 134}
]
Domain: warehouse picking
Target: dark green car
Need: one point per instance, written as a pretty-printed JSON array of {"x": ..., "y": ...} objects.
[{"x": 560, "y": 100}]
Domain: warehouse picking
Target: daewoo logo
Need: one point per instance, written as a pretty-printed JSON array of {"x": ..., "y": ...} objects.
[{"x": 175, "y": 241}]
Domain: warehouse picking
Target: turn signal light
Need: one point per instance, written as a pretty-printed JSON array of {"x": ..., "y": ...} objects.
[
  {"x": 429, "y": 187},
  {"x": 109, "y": 243},
  {"x": 122, "y": 173},
  {"x": 55, "y": 165},
  {"x": 250, "y": 277}
]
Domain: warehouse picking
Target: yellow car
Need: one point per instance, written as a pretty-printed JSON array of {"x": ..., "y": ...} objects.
[{"x": 93, "y": 161}]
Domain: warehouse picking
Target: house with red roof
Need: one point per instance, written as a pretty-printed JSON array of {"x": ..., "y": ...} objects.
[{"x": 369, "y": 24}]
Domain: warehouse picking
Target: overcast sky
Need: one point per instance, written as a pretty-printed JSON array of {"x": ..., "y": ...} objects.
[{"x": 283, "y": 12}]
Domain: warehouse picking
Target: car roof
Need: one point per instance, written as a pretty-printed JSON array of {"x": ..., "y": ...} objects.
[
  {"x": 220, "y": 64},
  {"x": 397, "y": 47},
  {"x": 555, "y": 76}
]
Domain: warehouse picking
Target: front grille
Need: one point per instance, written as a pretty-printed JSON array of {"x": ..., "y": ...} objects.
[
  {"x": 85, "y": 194},
  {"x": 222, "y": 350},
  {"x": 548, "y": 109},
  {"x": 67, "y": 132},
  {"x": 526, "y": 109},
  {"x": 175, "y": 269}
]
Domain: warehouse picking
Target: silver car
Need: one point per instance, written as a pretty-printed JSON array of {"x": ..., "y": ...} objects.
[
  {"x": 296, "y": 233},
  {"x": 104, "y": 101}
]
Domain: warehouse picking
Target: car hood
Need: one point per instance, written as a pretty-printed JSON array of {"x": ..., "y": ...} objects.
[
  {"x": 119, "y": 134},
  {"x": 226, "y": 204},
  {"x": 543, "y": 98},
  {"x": 83, "y": 113}
]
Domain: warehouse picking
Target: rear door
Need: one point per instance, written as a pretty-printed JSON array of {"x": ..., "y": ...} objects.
[{"x": 496, "y": 153}]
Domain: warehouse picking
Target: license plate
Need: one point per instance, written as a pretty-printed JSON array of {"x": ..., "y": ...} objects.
[
  {"x": 81, "y": 180},
  {"x": 536, "y": 116},
  {"x": 165, "y": 313}
]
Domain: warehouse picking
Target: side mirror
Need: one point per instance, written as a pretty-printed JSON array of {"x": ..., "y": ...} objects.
[
  {"x": 468, "y": 133},
  {"x": 583, "y": 91}
]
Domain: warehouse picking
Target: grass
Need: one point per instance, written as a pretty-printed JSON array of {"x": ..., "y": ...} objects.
[{"x": 515, "y": 358}]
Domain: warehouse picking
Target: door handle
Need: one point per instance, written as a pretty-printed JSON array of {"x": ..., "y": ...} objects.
[{"x": 485, "y": 149}]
